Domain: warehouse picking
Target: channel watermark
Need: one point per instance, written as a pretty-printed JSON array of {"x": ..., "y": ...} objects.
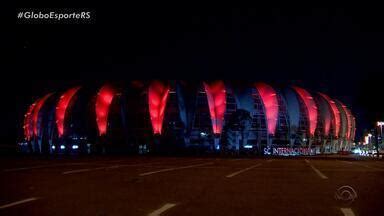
[
  {"x": 346, "y": 194},
  {"x": 68, "y": 16}
]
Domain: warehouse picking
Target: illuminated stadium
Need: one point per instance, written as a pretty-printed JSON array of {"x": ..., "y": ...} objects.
[{"x": 169, "y": 117}]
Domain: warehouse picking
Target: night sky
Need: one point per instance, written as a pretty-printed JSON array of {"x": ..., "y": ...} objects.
[{"x": 336, "y": 51}]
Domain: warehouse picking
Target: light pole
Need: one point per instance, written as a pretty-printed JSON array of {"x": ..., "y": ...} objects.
[
  {"x": 379, "y": 124},
  {"x": 369, "y": 142}
]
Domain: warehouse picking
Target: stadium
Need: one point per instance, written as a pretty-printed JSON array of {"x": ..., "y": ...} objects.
[{"x": 171, "y": 117}]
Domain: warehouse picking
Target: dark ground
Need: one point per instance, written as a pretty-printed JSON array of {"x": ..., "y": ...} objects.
[{"x": 198, "y": 186}]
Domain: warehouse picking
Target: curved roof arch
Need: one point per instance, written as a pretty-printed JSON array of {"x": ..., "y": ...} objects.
[
  {"x": 350, "y": 124},
  {"x": 216, "y": 95},
  {"x": 61, "y": 109},
  {"x": 311, "y": 108},
  {"x": 353, "y": 129},
  {"x": 293, "y": 107},
  {"x": 103, "y": 101},
  {"x": 158, "y": 93},
  {"x": 186, "y": 93},
  {"x": 336, "y": 122},
  {"x": 35, "y": 114},
  {"x": 27, "y": 125},
  {"x": 343, "y": 120},
  {"x": 242, "y": 95},
  {"x": 271, "y": 105},
  {"x": 325, "y": 114}
]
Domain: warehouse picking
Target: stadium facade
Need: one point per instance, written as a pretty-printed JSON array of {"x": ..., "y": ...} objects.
[{"x": 188, "y": 116}]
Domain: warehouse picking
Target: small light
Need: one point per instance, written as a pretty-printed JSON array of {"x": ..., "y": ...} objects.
[
  {"x": 53, "y": 147},
  {"x": 62, "y": 147},
  {"x": 357, "y": 151},
  {"x": 248, "y": 146},
  {"x": 75, "y": 147}
]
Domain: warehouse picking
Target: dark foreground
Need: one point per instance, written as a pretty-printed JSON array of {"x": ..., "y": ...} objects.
[{"x": 189, "y": 186}]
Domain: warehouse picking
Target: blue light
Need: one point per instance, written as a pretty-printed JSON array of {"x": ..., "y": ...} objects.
[
  {"x": 218, "y": 147},
  {"x": 357, "y": 151},
  {"x": 62, "y": 147},
  {"x": 75, "y": 147},
  {"x": 248, "y": 146},
  {"x": 23, "y": 143}
]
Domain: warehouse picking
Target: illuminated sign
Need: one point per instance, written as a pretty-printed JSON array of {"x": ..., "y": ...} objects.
[{"x": 285, "y": 151}]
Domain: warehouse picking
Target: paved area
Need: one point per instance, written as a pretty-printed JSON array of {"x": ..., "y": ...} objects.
[{"x": 190, "y": 186}]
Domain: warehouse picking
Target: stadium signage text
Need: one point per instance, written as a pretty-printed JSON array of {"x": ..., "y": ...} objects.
[{"x": 285, "y": 151}]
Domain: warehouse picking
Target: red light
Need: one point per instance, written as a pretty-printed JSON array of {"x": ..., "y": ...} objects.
[
  {"x": 310, "y": 106},
  {"x": 271, "y": 106},
  {"x": 103, "y": 102},
  {"x": 28, "y": 132},
  {"x": 326, "y": 115},
  {"x": 35, "y": 114},
  {"x": 335, "y": 112},
  {"x": 157, "y": 100},
  {"x": 327, "y": 124},
  {"x": 216, "y": 96},
  {"x": 349, "y": 120},
  {"x": 61, "y": 108}
]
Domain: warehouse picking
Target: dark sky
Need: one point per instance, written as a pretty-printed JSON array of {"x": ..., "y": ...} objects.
[{"x": 337, "y": 51}]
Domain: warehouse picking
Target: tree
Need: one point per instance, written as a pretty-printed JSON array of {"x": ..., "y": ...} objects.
[{"x": 239, "y": 123}]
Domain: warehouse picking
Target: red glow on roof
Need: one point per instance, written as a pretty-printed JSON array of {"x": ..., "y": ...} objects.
[
  {"x": 271, "y": 106},
  {"x": 327, "y": 124},
  {"x": 35, "y": 113},
  {"x": 353, "y": 129},
  {"x": 349, "y": 120},
  {"x": 157, "y": 99},
  {"x": 336, "y": 114},
  {"x": 28, "y": 129},
  {"x": 310, "y": 106},
  {"x": 216, "y": 96},
  {"x": 103, "y": 101},
  {"x": 61, "y": 108},
  {"x": 326, "y": 119}
]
